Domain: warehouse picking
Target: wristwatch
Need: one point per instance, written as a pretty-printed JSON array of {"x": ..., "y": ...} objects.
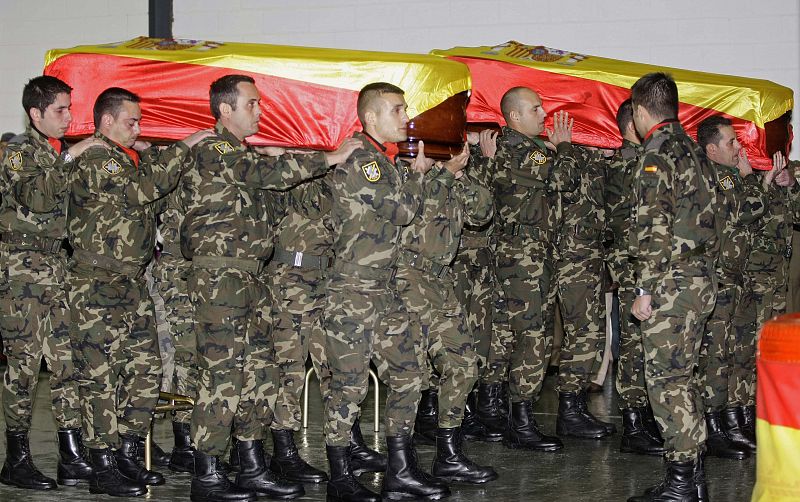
[{"x": 640, "y": 291}]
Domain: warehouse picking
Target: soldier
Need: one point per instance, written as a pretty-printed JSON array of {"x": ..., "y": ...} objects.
[
  {"x": 639, "y": 430},
  {"x": 675, "y": 236},
  {"x": 740, "y": 205},
  {"x": 303, "y": 236},
  {"x": 527, "y": 188},
  {"x": 374, "y": 196},
  {"x": 111, "y": 226},
  {"x": 227, "y": 233},
  {"x": 35, "y": 319}
]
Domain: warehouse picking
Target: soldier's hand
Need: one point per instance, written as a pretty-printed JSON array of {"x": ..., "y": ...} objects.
[
  {"x": 745, "y": 168},
  {"x": 140, "y": 146},
  {"x": 270, "y": 151},
  {"x": 783, "y": 178},
  {"x": 488, "y": 141},
  {"x": 197, "y": 136},
  {"x": 473, "y": 138},
  {"x": 422, "y": 164},
  {"x": 642, "y": 309},
  {"x": 562, "y": 128},
  {"x": 457, "y": 163},
  {"x": 81, "y": 146},
  {"x": 343, "y": 152}
]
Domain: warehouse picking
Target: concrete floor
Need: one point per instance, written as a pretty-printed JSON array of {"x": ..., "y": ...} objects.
[{"x": 585, "y": 470}]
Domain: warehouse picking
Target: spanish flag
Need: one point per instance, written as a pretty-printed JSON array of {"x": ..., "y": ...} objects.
[
  {"x": 591, "y": 89},
  {"x": 308, "y": 94},
  {"x": 778, "y": 411}
]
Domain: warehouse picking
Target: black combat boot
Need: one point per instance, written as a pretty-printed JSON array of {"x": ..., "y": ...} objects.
[
  {"x": 343, "y": 485},
  {"x": 635, "y": 438},
  {"x": 18, "y": 469},
  {"x": 650, "y": 423},
  {"x": 72, "y": 466},
  {"x": 158, "y": 457},
  {"x": 427, "y": 417},
  {"x": 701, "y": 489},
  {"x": 584, "y": 407},
  {"x": 287, "y": 462},
  {"x": 678, "y": 485},
  {"x": 362, "y": 457},
  {"x": 255, "y": 476},
  {"x": 718, "y": 444},
  {"x": 491, "y": 413},
  {"x": 574, "y": 421},
  {"x": 128, "y": 463},
  {"x": 233, "y": 460},
  {"x": 471, "y": 428},
  {"x": 404, "y": 479},
  {"x": 106, "y": 477},
  {"x": 210, "y": 485},
  {"x": 182, "y": 458},
  {"x": 748, "y": 424},
  {"x": 732, "y": 421},
  {"x": 451, "y": 464},
  {"x": 523, "y": 431}
]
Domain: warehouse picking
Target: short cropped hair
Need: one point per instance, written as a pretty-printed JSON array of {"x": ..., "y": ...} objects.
[
  {"x": 658, "y": 94},
  {"x": 371, "y": 91},
  {"x": 110, "y": 102},
  {"x": 40, "y": 92},
  {"x": 708, "y": 130},
  {"x": 624, "y": 115},
  {"x": 224, "y": 90},
  {"x": 510, "y": 100}
]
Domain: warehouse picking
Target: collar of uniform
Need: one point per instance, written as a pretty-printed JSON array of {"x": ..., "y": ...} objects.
[
  {"x": 513, "y": 134},
  {"x": 723, "y": 169},
  {"x": 115, "y": 147},
  {"x": 671, "y": 125},
  {"x": 228, "y": 136},
  {"x": 626, "y": 143},
  {"x": 390, "y": 150},
  {"x": 40, "y": 139}
]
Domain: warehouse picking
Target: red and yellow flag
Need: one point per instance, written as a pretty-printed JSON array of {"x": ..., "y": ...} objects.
[
  {"x": 778, "y": 411},
  {"x": 591, "y": 89},
  {"x": 308, "y": 94}
]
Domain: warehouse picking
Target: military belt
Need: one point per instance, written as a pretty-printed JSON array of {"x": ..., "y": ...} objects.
[
  {"x": 519, "y": 229},
  {"x": 419, "y": 262},
  {"x": 31, "y": 242},
  {"x": 106, "y": 263},
  {"x": 365, "y": 272},
  {"x": 301, "y": 259},
  {"x": 474, "y": 242},
  {"x": 243, "y": 264}
]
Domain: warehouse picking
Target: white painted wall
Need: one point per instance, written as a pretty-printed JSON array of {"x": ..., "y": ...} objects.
[{"x": 753, "y": 38}]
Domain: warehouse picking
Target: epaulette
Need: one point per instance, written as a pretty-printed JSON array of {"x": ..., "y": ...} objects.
[
  {"x": 657, "y": 143},
  {"x": 19, "y": 138},
  {"x": 628, "y": 153}
]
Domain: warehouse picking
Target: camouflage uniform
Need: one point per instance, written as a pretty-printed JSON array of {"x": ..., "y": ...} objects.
[
  {"x": 228, "y": 234},
  {"x": 620, "y": 201},
  {"x": 170, "y": 272},
  {"x": 675, "y": 240},
  {"x": 739, "y": 206},
  {"x": 296, "y": 279},
  {"x": 34, "y": 319},
  {"x": 578, "y": 272},
  {"x": 112, "y": 227},
  {"x": 364, "y": 316},
  {"x": 425, "y": 282},
  {"x": 527, "y": 188}
]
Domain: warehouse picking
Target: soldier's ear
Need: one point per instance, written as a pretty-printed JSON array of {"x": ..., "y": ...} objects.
[
  {"x": 107, "y": 119},
  {"x": 370, "y": 117},
  {"x": 35, "y": 114},
  {"x": 225, "y": 109},
  {"x": 513, "y": 115}
]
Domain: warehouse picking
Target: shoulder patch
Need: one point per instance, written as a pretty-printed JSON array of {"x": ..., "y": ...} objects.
[
  {"x": 15, "y": 161},
  {"x": 372, "y": 171},
  {"x": 112, "y": 166},
  {"x": 650, "y": 169},
  {"x": 726, "y": 183},
  {"x": 538, "y": 157},
  {"x": 223, "y": 147}
]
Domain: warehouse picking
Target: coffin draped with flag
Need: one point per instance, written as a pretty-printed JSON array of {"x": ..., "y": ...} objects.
[{"x": 591, "y": 89}]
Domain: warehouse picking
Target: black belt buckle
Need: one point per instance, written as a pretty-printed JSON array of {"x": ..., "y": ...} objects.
[{"x": 787, "y": 253}]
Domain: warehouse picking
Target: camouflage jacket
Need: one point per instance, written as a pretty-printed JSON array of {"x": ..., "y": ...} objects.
[
  {"x": 229, "y": 211},
  {"x": 171, "y": 216},
  {"x": 111, "y": 211},
  {"x": 303, "y": 224},
  {"x": 583, "y": 210},
  {"x": 33, "y": 184},
  {"x": 740, "y": 205},
  {"x": 478, "y": 169},
  {"x": 619, "y": 193},
  {"x": 448, "y": 203},
  {"x": 773, "y": 234},
  {"x": 528, "y": 181},
  {"x": 371, "y": 202},
  {"x": 675, "y": 212}
]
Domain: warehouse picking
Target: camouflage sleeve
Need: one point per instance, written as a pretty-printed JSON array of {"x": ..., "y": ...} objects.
[
  {"x": 566, "y": 168},
  {"x": 480, "y": 167},
  {"x": 251, "y": 170},
  {"x": 38, "y": 187},
  {"x": 476, "y": 201},
  {"x": 754, "y": 202},
  {"x": 312, "y": 199},
  {"x": 652, "y": 223},
  {"x": 159, "y": 172},
  {"x": 397, "y": 204}
]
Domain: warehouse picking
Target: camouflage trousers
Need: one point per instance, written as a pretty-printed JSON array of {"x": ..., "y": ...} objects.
[
  {"x": 170, "y": 275},
  {"x": 299, "y": 299},
  {"x": 440, "y": 326},
  {"x": 629, "y": 382},
  {"x": 526, "y": 270},
  {"x": 115, "y": 351},
  {"x": 238, "y": 378},
  {"x": 365, "y": 320},
  {"x": 34, "y": 322},
  {"x": 578, "y": 283},
  {"x": 716, "y": 360},
  {"x": 671, "y": 337},
  {"x": 478, "y": 290}
]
